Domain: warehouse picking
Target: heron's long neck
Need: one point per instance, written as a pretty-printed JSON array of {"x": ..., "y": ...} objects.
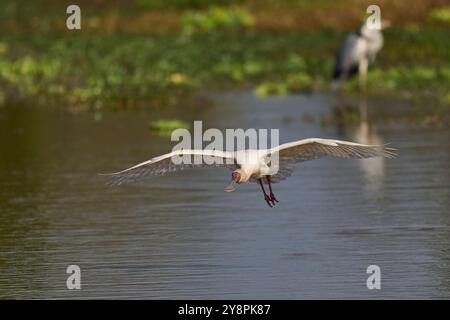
[{"x": 370, "y": 34}]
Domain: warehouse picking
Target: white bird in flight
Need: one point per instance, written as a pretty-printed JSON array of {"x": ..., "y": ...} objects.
[{"x": 253, "y": 164}]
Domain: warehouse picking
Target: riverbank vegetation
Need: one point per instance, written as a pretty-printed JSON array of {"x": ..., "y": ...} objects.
[{"x": 154, "y": 53}]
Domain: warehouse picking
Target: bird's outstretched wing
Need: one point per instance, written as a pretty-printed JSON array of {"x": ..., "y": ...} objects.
[
  {"x": 314, "y": 148},
  {"x": 174, "y": 161},
  {"x": 283, "y": 173}
]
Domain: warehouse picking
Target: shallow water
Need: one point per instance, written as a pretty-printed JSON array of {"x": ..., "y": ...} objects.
[{"x": 181, "y": 236}]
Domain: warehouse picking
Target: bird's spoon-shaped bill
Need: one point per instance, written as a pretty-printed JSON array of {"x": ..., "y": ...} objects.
[{"x": 230, "y": 187}]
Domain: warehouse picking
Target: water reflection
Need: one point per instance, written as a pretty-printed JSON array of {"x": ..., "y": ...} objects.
[
  {"x": 353, "y": 122},
  {"x": 181, "y": 236}
]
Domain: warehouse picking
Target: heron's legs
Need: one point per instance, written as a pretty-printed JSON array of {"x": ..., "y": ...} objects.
[
  {"x": 271, "y": 195},
  {"x": 363, "y": 66},
  {"x": 266, "y": 197}
]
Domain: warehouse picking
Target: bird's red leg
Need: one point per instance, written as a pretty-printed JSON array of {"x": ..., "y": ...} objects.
[
  {"x": 271, "y": 195},
  {"x": 266, "y": 197}
]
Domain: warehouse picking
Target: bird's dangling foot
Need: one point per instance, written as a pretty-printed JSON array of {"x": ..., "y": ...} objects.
[
  {"x": 269, "y": 200},
  {"x": 271, "y": 195},
  {"x": 272, "y": 198}
]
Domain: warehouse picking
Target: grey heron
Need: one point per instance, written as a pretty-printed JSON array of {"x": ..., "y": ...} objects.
[
  {"x": 358, "y": 50},
  {"x": 252, "y": 164}
]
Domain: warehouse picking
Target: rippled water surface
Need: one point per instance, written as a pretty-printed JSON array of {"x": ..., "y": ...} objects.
[{"x": 181, "y": 236}]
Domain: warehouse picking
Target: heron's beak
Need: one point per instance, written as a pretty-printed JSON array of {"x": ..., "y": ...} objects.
[{"x": 230, "y": 187}]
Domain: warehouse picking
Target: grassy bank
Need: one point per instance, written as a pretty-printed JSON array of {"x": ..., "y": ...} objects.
[{"x": 212, "y": 49}]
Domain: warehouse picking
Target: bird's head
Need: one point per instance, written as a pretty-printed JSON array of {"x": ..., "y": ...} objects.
[
  {"x": 367, "y": 30},
  {"x": 236, "y": 177}
]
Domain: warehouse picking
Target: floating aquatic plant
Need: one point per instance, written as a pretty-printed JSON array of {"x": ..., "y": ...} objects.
[{"x": 166, "y": 127}]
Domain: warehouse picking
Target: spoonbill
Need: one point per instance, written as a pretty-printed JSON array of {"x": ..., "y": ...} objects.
[{"x": 254, "y": 164}]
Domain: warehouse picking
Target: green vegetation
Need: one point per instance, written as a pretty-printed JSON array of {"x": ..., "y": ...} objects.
[
  {"x": 440, "y": 14},
  {"x": 184, "y": 4},
  {"x": 166, "y": 127},
  {"x": 216, "y": 18},
  {"x": 221, "y": 45}
]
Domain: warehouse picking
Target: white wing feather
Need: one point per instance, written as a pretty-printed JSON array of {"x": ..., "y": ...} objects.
[
  {"x": 314, "y": 148},
  {"x": 163, "y": 164}
]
